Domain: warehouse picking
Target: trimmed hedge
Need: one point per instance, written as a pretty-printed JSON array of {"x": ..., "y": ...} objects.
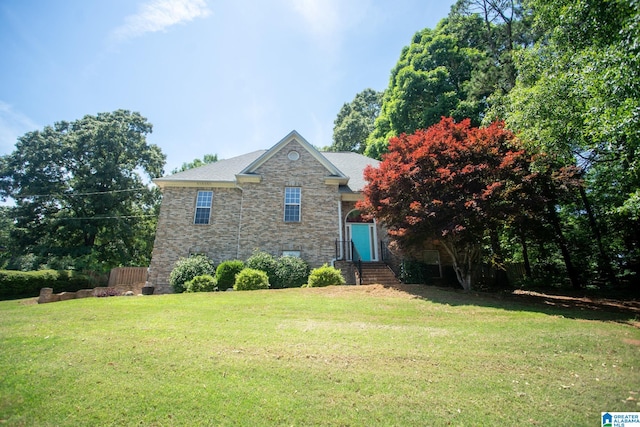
[
  {"x": 283, "y": 272},
  {"x": 264, "y": 261},
  {"x": 226, "y": 273},
  {"x": 25, "y": 284},
  {"x": 291, "y": 272},
  {"x": 325, "y": 276},
  {"x": 204, "y": 283},
  {"x": 186, "y": 269},
  {"x": 251, "y": 280}
]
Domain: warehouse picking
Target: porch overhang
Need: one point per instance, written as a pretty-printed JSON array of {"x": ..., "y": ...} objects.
[
  {"x": 248, "y": 177},
  {"x": 351, "y": 197}
]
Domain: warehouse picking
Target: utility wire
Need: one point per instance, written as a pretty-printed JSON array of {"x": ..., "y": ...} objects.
[
  {"x": 106, "y": 217},
  {"x": 91, "y": 218},
  {"x": 25, "y": 196}
]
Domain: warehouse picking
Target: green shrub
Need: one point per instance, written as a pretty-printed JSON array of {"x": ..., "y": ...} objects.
[
  {"x": 412, "y": 272},
  {"x": 204, "y": 283},
  {"x": 226, "y": 273},
  {"x": 250, "y": 279},
  {"x": 23, "y": 284},
  {"x": 264, "y": 261},
  {"x": 325, "y": 276},
  {"x": 186, "y": 269},
  {"x": 291, "y": 272}
]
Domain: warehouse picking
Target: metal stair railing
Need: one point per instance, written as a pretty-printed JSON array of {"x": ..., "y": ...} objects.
[{"x": 357, "y": 260}]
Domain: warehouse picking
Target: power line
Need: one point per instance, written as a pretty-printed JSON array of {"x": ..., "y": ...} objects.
[
  {"x": 105, "y": 217},
  {"x": 88, "y": 218},
  {"x": 94, "y": 193}
]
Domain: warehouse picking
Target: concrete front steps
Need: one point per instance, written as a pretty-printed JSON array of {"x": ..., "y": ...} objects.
[{"x": 377, "y": 273}]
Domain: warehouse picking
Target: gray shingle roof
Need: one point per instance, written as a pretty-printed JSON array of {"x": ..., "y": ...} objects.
[
  {"x": 350, "y": 164},
  {"x": 220, "y": 171}
]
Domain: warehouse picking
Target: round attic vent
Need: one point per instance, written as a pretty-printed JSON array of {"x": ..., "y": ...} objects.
[{"x": 293, "y": 155}]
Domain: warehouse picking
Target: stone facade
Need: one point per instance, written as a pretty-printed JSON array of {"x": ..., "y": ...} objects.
[
  {"x": 263, "y": 226},
  {"x": 177, "y": 236},
  {"x": 248, "y": 215}
]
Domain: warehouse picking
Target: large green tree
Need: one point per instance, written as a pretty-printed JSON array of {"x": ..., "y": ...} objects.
[
  {"x": 577, "y": 99},
  {"x": 81, "y": 191},
  {"x": 428, "y": 82},
  {"x": 355, "y": 121},
  {"x": 6, "y": 226},
  {"x": 196, "y": 163},
  {"x": 453, "y": 70}
]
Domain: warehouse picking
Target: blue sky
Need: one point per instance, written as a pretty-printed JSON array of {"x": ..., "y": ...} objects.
[{"x": 223, "y": 77}]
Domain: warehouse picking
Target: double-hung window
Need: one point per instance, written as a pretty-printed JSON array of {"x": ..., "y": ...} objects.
[
  {"x": 203, "y": 207},
  {"x": 292, "y": 196}
]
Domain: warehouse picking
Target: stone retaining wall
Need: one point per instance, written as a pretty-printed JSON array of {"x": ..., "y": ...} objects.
[{"x": 47, "y": 295}]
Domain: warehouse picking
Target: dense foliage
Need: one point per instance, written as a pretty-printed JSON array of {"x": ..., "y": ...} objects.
[
  {"x": 81, "y": 193},
  {"x": 251, "y": 280},
  {"x": 291, "y": 272},
  {"x": 226, "y": 273},
  {"x": 185, "y": 269},
  {"x": 325, "y": 276},
  {"x": 563, "y": 76},
  {"x": 577, "y": 98},
  {"x": 264, "y": 261},
  {"x": 22, "y": 284},
  {"x": 355, "y": 122},
  {"x": 203, "y": 283},
  {"x": 283, "y": 272},
  {"x": 452, "y": 182},
  {"x": 453, "y": 70}
]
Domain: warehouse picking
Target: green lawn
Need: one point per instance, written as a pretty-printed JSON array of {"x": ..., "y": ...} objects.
[{"x": 346, "y": 356}]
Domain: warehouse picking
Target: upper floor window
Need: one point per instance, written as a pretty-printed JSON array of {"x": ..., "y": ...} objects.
[
  {"x": 203, "y": 207},
  {"x": 292, "y": 196}
]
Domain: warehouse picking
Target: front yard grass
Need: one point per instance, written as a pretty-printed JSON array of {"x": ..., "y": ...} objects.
[{"x": 348, "y": 356}]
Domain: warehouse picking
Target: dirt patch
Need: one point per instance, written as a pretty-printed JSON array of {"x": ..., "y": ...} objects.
[{"x": 398, "y": 291}]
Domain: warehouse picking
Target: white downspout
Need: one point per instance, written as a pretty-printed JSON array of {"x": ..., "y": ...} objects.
[
  {"x": 240, "y": 220},
  {"x": 340, "y": 228}
]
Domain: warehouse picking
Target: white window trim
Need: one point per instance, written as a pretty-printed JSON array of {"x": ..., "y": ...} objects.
[
  {"x": 210, "y": 207},
  {"x": 299, "y": 205}
]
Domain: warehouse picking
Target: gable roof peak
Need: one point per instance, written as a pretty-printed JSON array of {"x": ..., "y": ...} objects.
[{"x": 293, "y": 136}]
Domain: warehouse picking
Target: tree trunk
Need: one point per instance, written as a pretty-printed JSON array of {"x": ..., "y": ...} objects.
[
  {"x": 525, "y": 254},
  {"x": 501, "y": 280},
  {"x": 604, "y": 263},
  {"x": 463, "y": 263},
  {"x": 560, "y": 239}
]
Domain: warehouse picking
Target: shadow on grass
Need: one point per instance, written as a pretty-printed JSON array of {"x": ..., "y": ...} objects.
[{"x": 586, "y": 308}]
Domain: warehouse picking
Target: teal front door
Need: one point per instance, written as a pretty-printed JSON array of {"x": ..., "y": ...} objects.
[{"x": 361, "y": 237}]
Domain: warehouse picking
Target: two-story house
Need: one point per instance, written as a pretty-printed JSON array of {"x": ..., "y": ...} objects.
[{"x": 288, "y": 200}]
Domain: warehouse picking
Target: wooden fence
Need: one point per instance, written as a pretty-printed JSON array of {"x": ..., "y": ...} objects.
[{"x": 127, "y": 276}]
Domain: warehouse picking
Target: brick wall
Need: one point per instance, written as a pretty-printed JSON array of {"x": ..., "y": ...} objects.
[{"x": 257, "y": 212}]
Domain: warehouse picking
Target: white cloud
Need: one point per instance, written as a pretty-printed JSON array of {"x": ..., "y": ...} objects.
[
  {"x": 12, "y": 125},
  {"x": 328, "y": 20},
  {"x": 158, "y": 15},
  {"x": 321, "y": 16}
]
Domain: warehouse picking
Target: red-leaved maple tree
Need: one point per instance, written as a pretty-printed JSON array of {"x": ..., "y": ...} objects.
[{"x": 451, "y": 182}]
